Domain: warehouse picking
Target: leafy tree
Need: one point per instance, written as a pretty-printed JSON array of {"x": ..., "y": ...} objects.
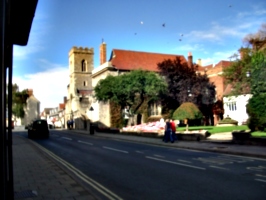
[
  {"x": 257, "y": 40},
  {"x": 187, "y": 111},
  {"x": 186, "y": 85},
  {"x": 19, "y": 99},
  {"x": 258, "y": 72},
  {"x": 237, "y": 74},
  {"x": 257, "y": 104},
  {"x": 131, "y": 89}
]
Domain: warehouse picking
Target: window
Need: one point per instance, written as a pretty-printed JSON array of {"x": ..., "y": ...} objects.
[
  {"x": 83, "y": 65},
  {"x": 85, "y": 83},
  {"x": 231, "y": 106},
  {"x": 154, "y": 109}
]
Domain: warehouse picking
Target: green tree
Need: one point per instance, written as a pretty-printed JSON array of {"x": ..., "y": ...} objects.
[
  {"x": 19, "y": 99},
  {"x": 186, "y": 85},
  {"x": 238, "y": 73},
  {"x": 131, "y": 89},
  {"x": 187, "y": 111},
  {"x": 257, "y": 103}
]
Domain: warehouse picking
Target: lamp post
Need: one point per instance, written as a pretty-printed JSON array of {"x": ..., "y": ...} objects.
[
  {"x": 248, "y": 74},
  {"x": 91, "y": 124}
]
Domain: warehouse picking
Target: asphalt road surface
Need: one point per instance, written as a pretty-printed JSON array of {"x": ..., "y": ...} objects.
[{"x": 115, "y": 169}]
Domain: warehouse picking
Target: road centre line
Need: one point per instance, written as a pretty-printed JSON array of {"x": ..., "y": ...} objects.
[
  {"x": 244, "y": 157},
  {"x": 260, "y": 175},
  {"x": 261, "y": 180},
  {"x": 66, "y": 138},
  {"x": 84, "y": 142},
  {"x": 208, "y": 160},
  {"x": 236, "y": 159},
  {"x": 97, "y": 186},
  {"x": 176, "y": 163},
  {"x": 158, "y": 156},
  {"x": 184, "y": 161},
  {"x": 115, "y": 149},
  {"x": 218, "y": 167}
]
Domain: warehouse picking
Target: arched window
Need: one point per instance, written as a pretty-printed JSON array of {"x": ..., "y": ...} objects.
[{"x": 83, "y": 65}]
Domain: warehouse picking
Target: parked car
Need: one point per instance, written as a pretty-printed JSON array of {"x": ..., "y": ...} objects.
[{"x": 38, "y": 129}]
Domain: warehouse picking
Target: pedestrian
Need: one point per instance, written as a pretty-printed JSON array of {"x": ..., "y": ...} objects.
[
  {"x": 173, "y": 127},
  {"x": 126, "y": 115},
  {"x": 168, "y": 131}
]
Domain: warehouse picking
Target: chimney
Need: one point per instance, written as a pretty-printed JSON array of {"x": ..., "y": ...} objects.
[
  {"x": 65, "y": 100},
  {"x": 190, "y": 59},
  {"x": 243, "y": 52},
  {"x": 199, "y": 62},
  {"x": 102, "y": 53},
  {"x": 30, "y": 92}
]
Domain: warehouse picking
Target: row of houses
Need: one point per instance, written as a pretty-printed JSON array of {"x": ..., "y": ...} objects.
[{"x": 80, "y": 106}]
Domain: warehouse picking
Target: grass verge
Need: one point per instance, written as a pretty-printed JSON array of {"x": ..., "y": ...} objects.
[{"x": 215, "y": 129}]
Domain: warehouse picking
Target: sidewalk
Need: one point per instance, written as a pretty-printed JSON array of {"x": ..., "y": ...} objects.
[{"x": 36, "y": 176}]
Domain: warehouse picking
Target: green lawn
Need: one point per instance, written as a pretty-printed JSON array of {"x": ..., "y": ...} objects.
[
  {"x": 221, "y": 129},
  {"x": 214, "y": 129},
  {"x": 258, "y": 134}
]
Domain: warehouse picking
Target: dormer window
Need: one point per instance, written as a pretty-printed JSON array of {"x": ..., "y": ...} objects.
[{"x": 83, "y": 66}]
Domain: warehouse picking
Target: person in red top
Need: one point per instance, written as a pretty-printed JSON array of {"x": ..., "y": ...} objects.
[{"x": 173, "y": 127}]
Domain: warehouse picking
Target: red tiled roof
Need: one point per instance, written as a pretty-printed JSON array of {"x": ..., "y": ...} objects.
[
  {"x": 62, "y": 106},
  {"x": 132, "y": 60}
]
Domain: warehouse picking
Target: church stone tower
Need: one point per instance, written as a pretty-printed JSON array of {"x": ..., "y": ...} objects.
[
  {"x": 80, "y": 86},
  {"x": 80, "y": 67}
]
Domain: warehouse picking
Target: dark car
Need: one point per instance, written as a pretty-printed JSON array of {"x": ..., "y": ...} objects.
[{"x": 38, "y": 129}]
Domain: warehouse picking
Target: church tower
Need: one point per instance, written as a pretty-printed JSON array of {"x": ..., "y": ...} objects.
[
  {"x": 80, "y": 68},
  {"x": 80, "y": 86}
]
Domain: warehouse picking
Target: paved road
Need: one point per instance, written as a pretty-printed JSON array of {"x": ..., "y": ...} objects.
[{"x": 129, "y": 170}]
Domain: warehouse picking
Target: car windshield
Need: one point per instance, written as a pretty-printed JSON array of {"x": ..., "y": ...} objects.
[{"x": 40, "y": 124}]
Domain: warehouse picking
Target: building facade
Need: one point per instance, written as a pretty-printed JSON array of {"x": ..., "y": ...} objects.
[{"x": 32, "y": 109}]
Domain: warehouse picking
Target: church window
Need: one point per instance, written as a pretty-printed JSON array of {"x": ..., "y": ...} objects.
[
  {"x": 154, "y": 109},
  {"x": 83, "y": 65}
]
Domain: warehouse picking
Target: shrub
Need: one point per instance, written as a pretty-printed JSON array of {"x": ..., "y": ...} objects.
[
  {"x": 256, "y": 110},
  {"x": 228, "y": 120}
]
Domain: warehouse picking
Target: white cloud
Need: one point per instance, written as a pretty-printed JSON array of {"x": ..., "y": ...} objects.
[
  {"x": 218, "y": 56},
  {"x": 38, "y": 30},
  {"x": 49, "y": 86}
]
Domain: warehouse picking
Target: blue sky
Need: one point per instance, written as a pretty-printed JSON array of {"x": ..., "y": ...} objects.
[{"x": 211, "y": 30}]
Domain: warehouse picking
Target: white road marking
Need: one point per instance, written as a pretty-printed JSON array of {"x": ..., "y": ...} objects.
[
  {"x": 259, "y": 168},
  {"x": 176, "y": 163},
  {"x": 192, "y": 150},
  {"x": 211, "y": 160},
  {"x": 260, "y": 175},
  {"x": 184, "y": 161},
  {"x": 66, "y": 138},
  {"x": 261, "y": 180},
  {"x": 242, "y": 160},
  {"x": 115, "y": 149},
  {"x": 159, "y": 156},
  {"x": 84, "y": 142},
  {"x": 244, "y": 157},
  {"x": 97, "y": 186},
  {"x": 218, "y": 167}
]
